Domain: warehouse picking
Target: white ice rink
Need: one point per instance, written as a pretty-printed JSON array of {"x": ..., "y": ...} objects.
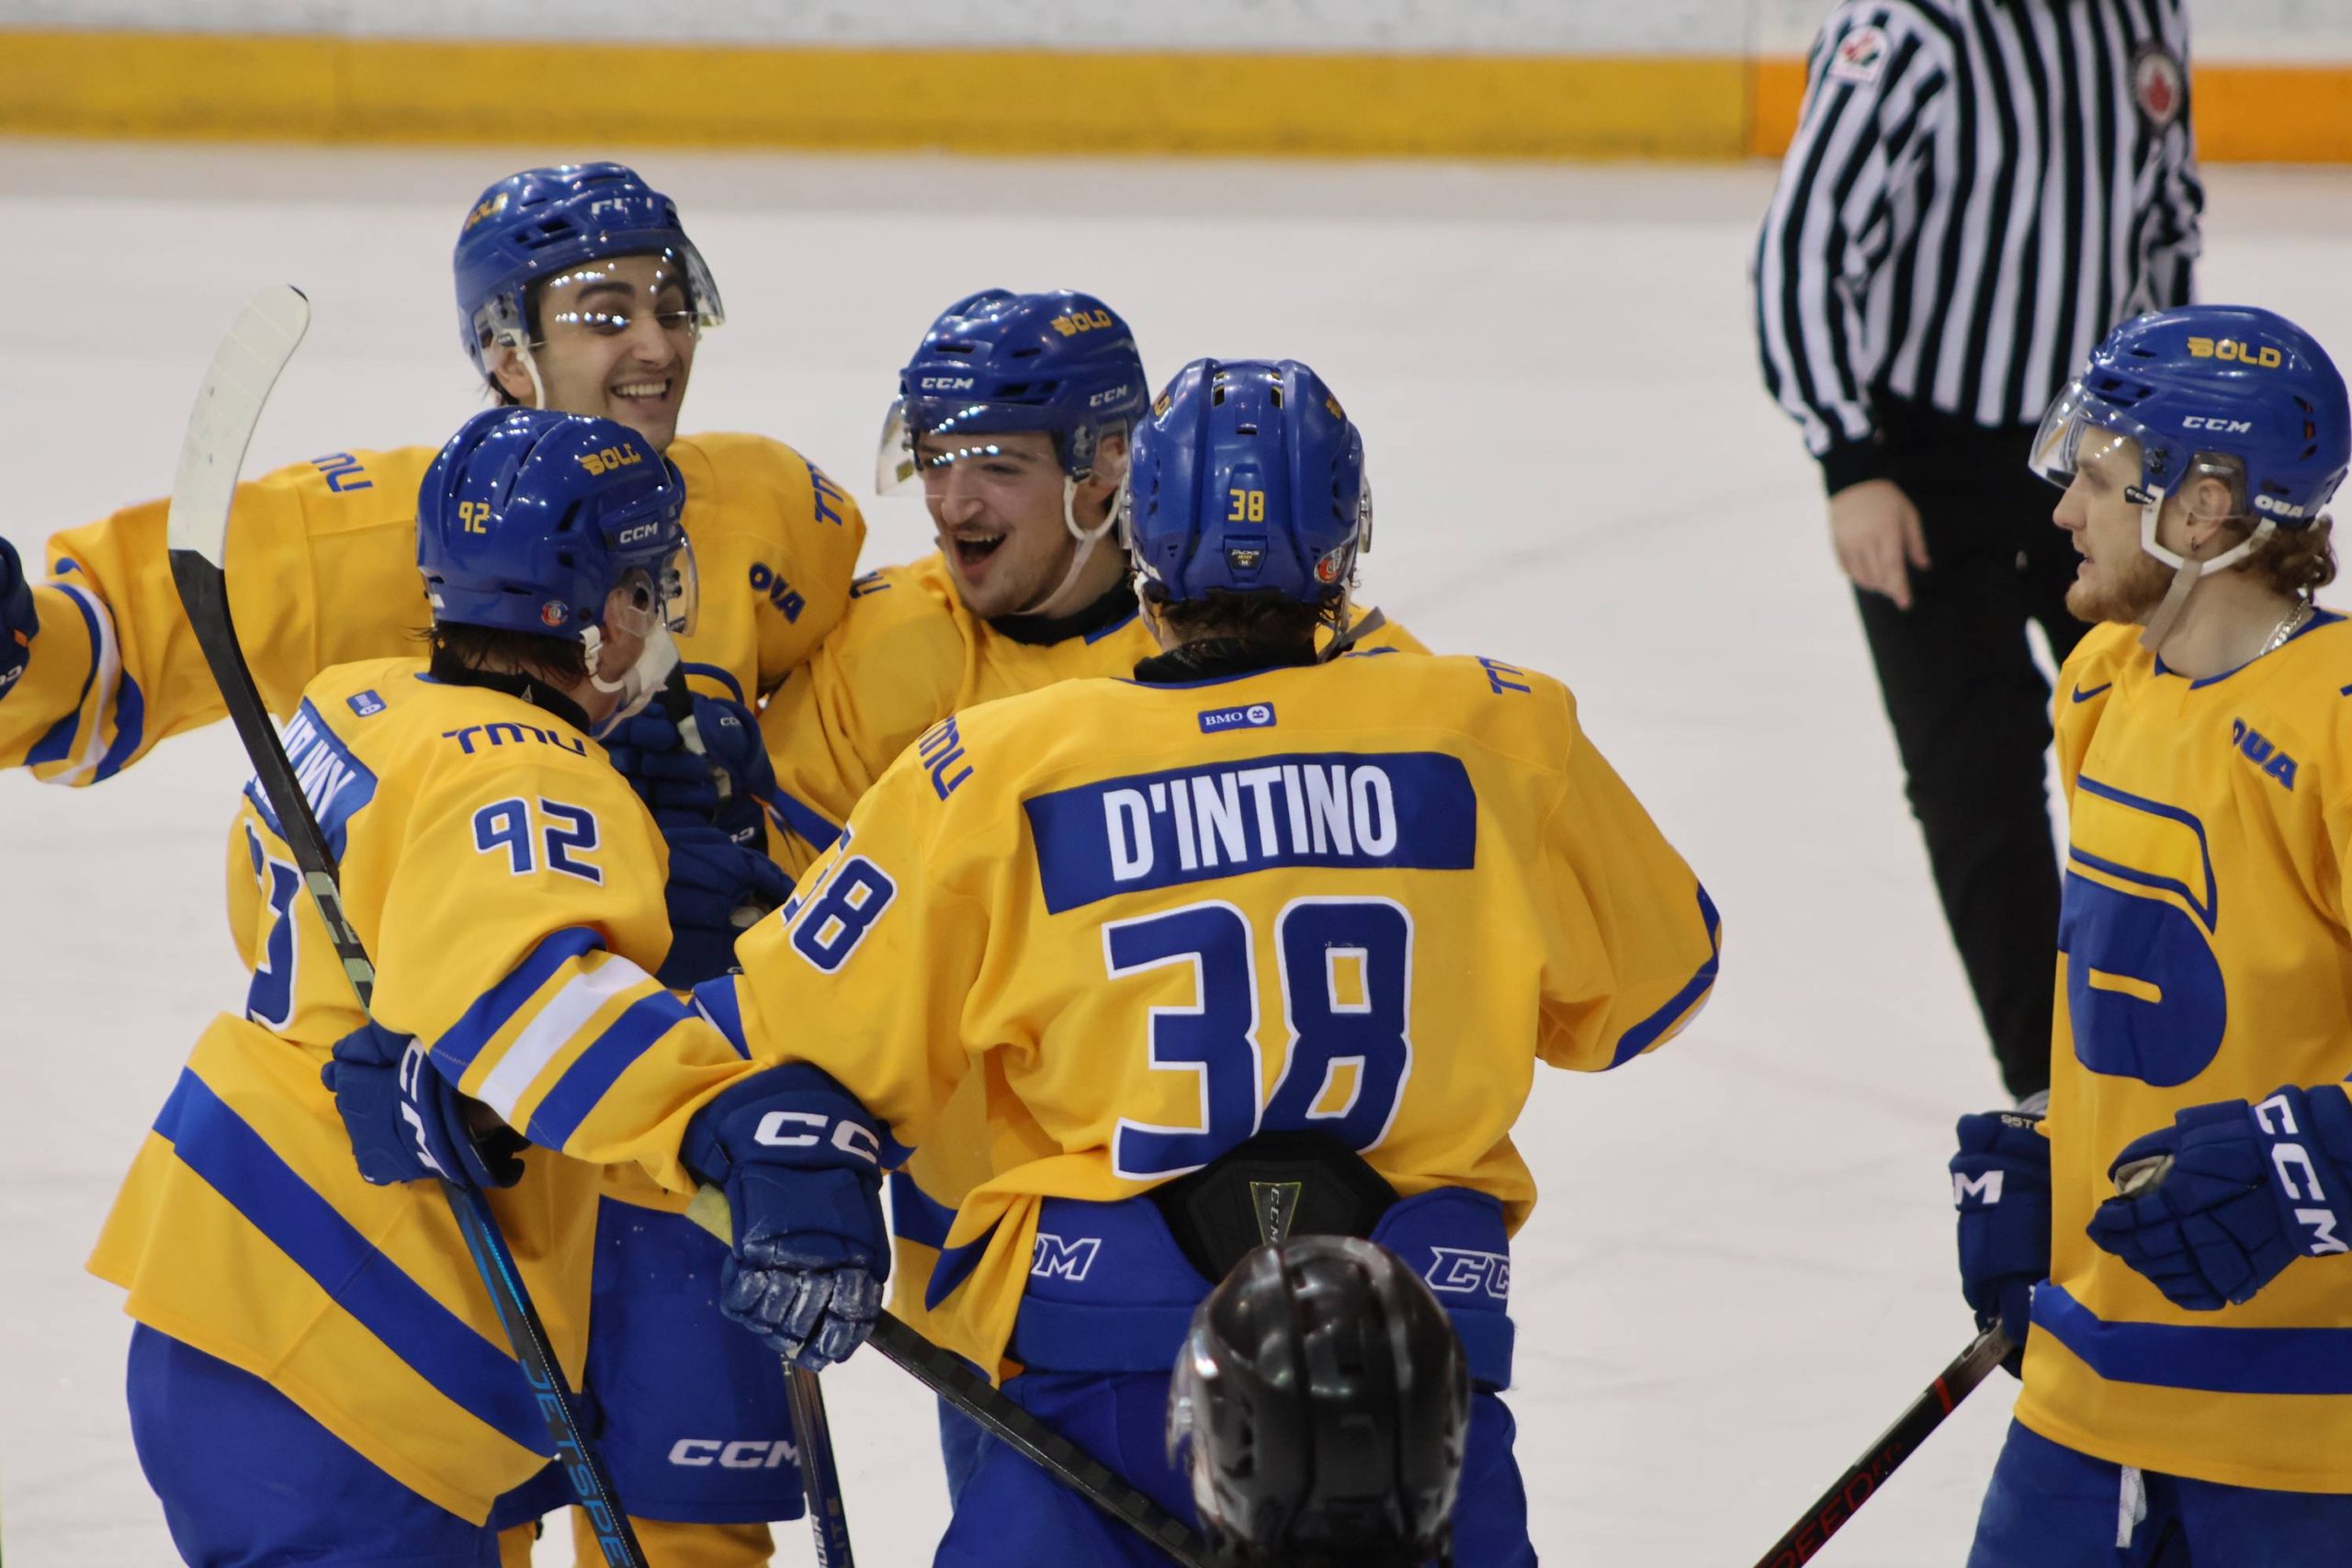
[{"x": 1742, "y": 1265}]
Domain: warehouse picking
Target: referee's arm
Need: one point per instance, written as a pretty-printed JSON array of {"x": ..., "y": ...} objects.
[{"x": 1876, "y": 86}]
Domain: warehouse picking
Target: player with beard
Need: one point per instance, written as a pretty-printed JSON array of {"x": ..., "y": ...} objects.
[{"x": 2184, "y": 1398}]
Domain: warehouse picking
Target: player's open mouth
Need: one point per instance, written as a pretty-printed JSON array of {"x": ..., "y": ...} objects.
[{"x": 973, "y": 548}]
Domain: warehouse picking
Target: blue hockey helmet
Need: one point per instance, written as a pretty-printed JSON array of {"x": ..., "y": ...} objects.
[
  {"x": 528, "y": 519},
  {"x": 532, "y": 226},
  {"x": 2231, "y": 392},
  {"x": 995, "y": 362},
  {"x": 1248, "y": 476}
]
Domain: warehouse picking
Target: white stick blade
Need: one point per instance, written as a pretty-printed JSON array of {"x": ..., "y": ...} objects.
[{"x": 228, "y": 408}]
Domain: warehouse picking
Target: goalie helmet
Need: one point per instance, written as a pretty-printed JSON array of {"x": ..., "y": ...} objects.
[
  {"x": 532, "y": 226},
  {"x": 530, "y": 521},
  {"x": 1248, "y": 476},
  {"x": 1321, "y": 1407}
]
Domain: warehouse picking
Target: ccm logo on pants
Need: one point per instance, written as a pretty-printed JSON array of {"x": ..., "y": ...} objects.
[{"x": 742, "y": 1454}]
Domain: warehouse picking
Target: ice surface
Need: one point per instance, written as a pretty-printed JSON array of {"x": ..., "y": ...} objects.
[{"x": 1742, "y": 1265}]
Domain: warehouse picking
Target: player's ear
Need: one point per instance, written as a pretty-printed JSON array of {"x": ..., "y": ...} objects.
[
  {"x": 1109, "y": 460},
  {"x": 506, "y": 369},
  {"x": 2210, "y": 509}
]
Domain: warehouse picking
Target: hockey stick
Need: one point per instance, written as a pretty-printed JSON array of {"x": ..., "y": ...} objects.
[
  {"x": 1862, "y": 1479},
  {"x": 813, "y": 1434},
  {"x": 947, "y": 1375},
  {"x": 228, "y": 408}
]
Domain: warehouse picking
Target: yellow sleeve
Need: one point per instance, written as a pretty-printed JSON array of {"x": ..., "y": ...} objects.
[
  {"x": 115, "y": 668},
  {"x": 891, "y": 669},
  {"x": 806, "y": 533},
  {"x": 1633, "y": 940},
  {"x": 865, "y": 971},
  {"x": 518, "y": 929}
]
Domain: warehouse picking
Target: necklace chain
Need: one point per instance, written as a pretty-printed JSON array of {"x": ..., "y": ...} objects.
[{"x": 2288, "y": 626}]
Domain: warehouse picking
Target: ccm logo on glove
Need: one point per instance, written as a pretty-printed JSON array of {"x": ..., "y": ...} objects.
[
  {"x": 777, "y": 1130},
  {"x": 2299, "y": 1176}
]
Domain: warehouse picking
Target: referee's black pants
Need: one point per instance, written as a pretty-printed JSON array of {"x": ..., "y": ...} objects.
[{"x": 1971, "y": 710}]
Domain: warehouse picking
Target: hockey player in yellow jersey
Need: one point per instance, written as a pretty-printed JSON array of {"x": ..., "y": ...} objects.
[
  {"x": 318, "y": 1374},
  {"x": 1014, "y": 416},
  {"x": 578, "y": 290},
  {"x": 2186, "y": 1396},
  {"x": 604, "y": 320},
  {"x": 1258, "y": 941}
]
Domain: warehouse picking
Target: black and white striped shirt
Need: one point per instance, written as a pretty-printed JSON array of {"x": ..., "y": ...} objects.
[{"x": 1978, "y": 191}]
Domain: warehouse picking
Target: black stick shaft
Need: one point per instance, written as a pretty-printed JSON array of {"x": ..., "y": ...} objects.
[
  {"x": 1866, "y": 1475},
  {"x": 946, "y": 1375},
  {"x": 203, "y": 589},
  {"x": 820, "y": 1476}
]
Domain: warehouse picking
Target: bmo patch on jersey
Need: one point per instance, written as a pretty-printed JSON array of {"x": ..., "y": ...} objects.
[
  {"x": 2158, "y": 83},
  {"x": 1859, "y": 56},
  {"x": 1249, "y": 716}
]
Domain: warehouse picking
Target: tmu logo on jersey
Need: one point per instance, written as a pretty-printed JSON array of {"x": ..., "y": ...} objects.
[
  {"x": 1251, "y": 716},
  {"x": 1410, "y": 809}
]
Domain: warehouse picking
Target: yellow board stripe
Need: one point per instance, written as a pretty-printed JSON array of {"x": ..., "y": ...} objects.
[
  {"x": 1012, "y": 101},
  {"x": 330, "y": 89}
]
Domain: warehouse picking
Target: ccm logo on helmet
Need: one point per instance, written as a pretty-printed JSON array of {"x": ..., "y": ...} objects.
[
  {"x": 642, "y": 531},
  {"x": 2231, "y": 348},
  {"x": 611, "y": 457},
  {"x": 1112, "y": 396},
  {"x": 742, "y": 1454},
  {"x": 947, "y": 383},
  {"x": 774, "y": 1131},
  {"x": 2206, "y": 421}
]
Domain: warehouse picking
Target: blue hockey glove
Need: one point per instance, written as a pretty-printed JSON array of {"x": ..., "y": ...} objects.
[
  {"x": 717, "y": 889},
  {"x": 801, "y": 1164},
  {"x": 2215, "y": 1206},
  {"x": 18, "y": 621},
  {"x": 2000, "y": 1184},
  {"x": 697, "y": 759},
  {"x": 408, "y": 1123}
]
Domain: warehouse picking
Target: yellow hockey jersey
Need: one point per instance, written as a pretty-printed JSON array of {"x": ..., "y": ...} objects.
[
  {"x": 1364, "y": 897},
  {"x": 909, "y": 653},
  {"x": 906, "y": 655},
  {"x": 321, "y": 568},
  {"x": 509, "y": 886},
  {"x": 2205, "y": 954}
]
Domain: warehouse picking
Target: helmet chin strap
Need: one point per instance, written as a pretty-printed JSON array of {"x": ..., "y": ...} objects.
[
  {"x": 638, "y": 683},
  {"x": 2186, "y": 569},
  {"x": 1049, "y": 602}
]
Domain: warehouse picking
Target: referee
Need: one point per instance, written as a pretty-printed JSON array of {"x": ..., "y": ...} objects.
[{"x": 1978, "y": 191}]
